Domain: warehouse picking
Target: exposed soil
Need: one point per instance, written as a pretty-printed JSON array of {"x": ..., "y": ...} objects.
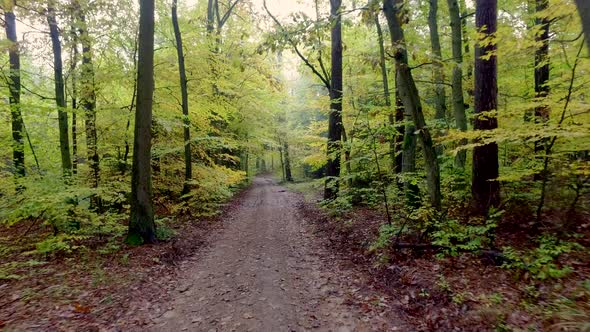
[{"x": 266, "y": 271}]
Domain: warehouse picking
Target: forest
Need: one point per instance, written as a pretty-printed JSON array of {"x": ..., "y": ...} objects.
[{"x": 282, "y": 165}]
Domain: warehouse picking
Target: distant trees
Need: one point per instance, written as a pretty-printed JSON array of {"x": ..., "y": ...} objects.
[
  {"x": 332, "y": 82},
  {"x": 142, "y": 227}
]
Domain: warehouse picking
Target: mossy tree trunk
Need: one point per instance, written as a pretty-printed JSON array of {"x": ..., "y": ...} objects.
[{"x": 411, "y": 100}]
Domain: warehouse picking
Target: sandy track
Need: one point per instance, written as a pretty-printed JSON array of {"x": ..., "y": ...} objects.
[{"x": 264, "y": 272}]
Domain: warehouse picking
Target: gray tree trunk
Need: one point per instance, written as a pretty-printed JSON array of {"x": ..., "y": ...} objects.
[
  {"x": 188, "y": 168},
  {"x": 440, "y": 100},
  {"x": 411, "y": 100},
  {"x": 457, "y": 81},
  {"x": 88, "y": 99},
  {"x": 141, "y": 224},
  {"x": 387, "y": 94},
  {"x": 62, "y": 115}
]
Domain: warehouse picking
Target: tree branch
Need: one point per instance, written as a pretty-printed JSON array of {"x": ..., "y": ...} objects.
[{"x": 325, "y": 80}]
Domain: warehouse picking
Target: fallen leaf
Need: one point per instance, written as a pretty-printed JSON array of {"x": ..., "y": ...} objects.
[{"x": 81, "y": 309}]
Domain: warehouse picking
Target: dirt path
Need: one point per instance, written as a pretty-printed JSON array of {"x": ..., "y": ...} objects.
[{"x": 265, "y": 272}]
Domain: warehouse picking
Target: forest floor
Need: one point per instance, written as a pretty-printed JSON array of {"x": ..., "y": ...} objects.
[
  {"x": 272, "y": 260},
  {"x": 258, "y": 266}
]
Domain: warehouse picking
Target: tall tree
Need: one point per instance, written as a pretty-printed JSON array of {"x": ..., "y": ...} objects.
[
  {"x": 14, "y": 87},
  {"x": 73, "y": 66},
  {"x": 542, "y": 69},
  {"x": 440, "y": 100},
  {"x": 584, "y": 11},
  {"x": 464, "y": 16},
  {"x": 335, "y": 118},
  {"x": 411, "y": 98},
  {"x": 188, "y": 168},
  {"x": 142, "y": 227},
  {"x": 60, "y": 98},
  {"x": 485, "y": 187},
  {"x": 88, "y": 96},
  {"x": 393, "y": 115},
  {"x": 457, "y": 80}
]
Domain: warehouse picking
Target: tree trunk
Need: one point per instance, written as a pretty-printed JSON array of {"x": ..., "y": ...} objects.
[
  {"x": 347, "y": 156},
  {"x": 73, "y": 69},
  {"x": 485, "y": 187},
  {"x": 88, "y": 100},
  {"x": 400, "y": 131},
  {"x": 464, "y": 15},
  {"x": 14, "y": 87},
  {"x": 141, "y": 225},
  {"x": 584, "y": 10},
  {"x": 188, "y": 168},
  {"x": 387, "y": 95},
  {"x": 64, "y": 142},
  {"x": 282, "y": 162},
  {"x": 335, "y": 119},
  {"x": 411, "y": 100},
  {"x": 408, "y": 165},
  {"x": 457, "y": 82},
  {"x": 288, "y": 175},
  {"x": 541, "y": 67},
  {"x": 440, "y": 100}
]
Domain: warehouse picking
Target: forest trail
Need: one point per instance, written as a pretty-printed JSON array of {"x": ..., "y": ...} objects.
[{"x": 264, "y": 272}]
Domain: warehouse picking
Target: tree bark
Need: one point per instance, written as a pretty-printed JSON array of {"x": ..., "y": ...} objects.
[
  {"x": 288, "y": 175},
  {"x": 188, "y": 168},
  {"x": 64, "y": 142},
  {"x": 541, "y": 67},
  {"x": 485, "y": 187},
  {"x": 584, "y": 11},
  {"x": 411, "y": 100},
  {"x": 464, "y": 15},
  {"x": 88, "y": 99},
  {"x": 393, "y": 150},
  {"x": 73, "y": 68},
  {"x": 282, "y": 162},
  {"x": 335, "y": 118},
  {"x": 141, "y": 224},
  {"x": 14, "y": 87},
  {"x": 457, "y": 81},
  {"x": 440, "y": 100}
]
